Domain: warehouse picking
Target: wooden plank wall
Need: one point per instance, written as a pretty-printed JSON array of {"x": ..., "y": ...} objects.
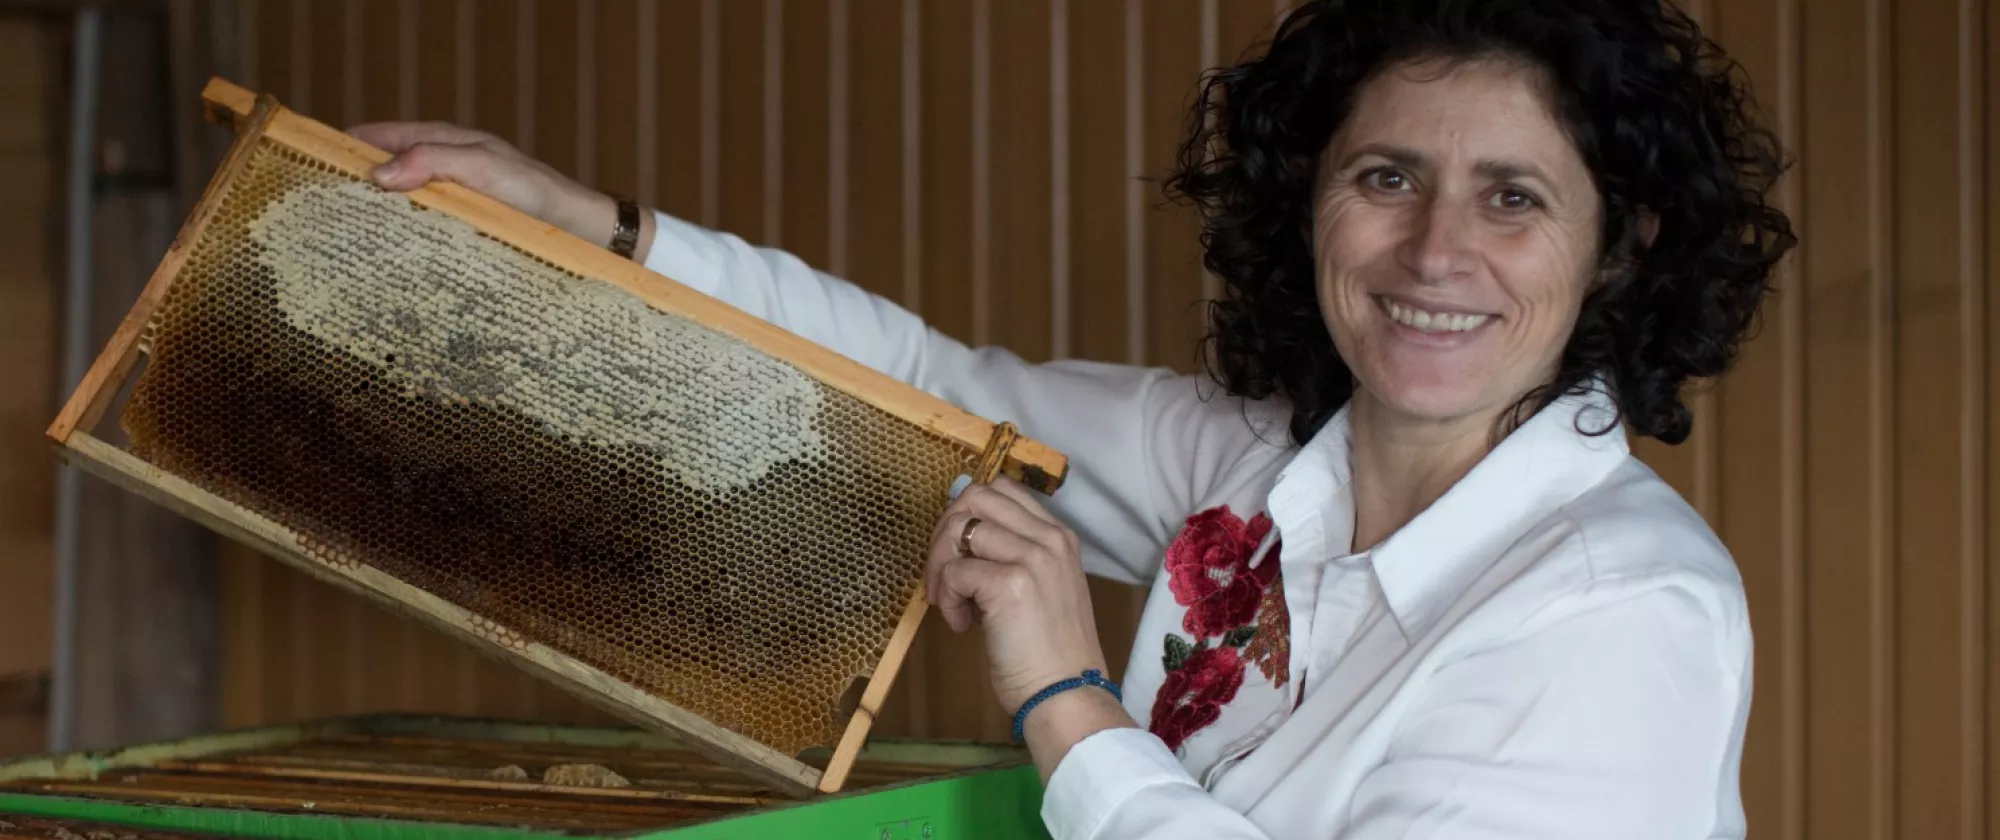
[
  {"x": 30, "y": 278},
  {"x": 30, "y": 275},
  {"x": 981, "y": 161}
]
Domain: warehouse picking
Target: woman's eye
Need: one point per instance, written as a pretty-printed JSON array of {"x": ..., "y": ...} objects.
[
  {"x": 1514, "y": 200},
  {"x": 1386, "y": 180}
]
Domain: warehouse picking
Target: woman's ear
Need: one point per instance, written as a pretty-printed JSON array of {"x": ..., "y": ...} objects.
[{"x": 1649, "y": 228}]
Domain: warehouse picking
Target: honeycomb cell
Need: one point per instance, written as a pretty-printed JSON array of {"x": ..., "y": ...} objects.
[{"x": 624, "y": 485}]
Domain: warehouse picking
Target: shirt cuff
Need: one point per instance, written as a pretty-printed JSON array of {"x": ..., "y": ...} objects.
[
  {"x": 687, "y": 254},
  {"x": 1100, "y": 773}
]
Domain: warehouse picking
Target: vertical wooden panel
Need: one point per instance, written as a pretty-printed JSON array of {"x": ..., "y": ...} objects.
[
  {"x": 325, "y": 39},
  {"x": 527, "y": 78},
  {"x": 1974, "y": 660},
  {"x": 464, "y": 47},
  {"x": 874, "y": 131},
  {"x": 645, "y": 103},
  {"x": 1988, "y": 29},
  {"x": 1173, "y": 280},
  {"x": 1097, "y": 180},
  {"x": 677, "y": 130},
  {"x": 711, "y": 112},
  {"x": 29, "y": 74},
  {"x": 1132, "y": 162},
  {"x": 1246, "y": 30},
  {"x": 556, "y": 26},
  {"x": 1754, "y": 411},
  {"x": 586, "y": 61},
  {"x": 1779, "y": 759},
  {"x": 1933, "y": 290},
  {"x": 245, "y": 657},
  {"x": 773, "y": 129},
  {"x": 741, "y": 131},
  {"x": 912, "y": 98},
  {"x": 376, "y": 59},
  {"x": 1020, "y": 163},
  {"x": 1844, "y": 264},
  {"x": 839, "y": 108},
  {"x": 282, "y": 685},
  {"x": 946, "y": 107},
  {"x": 615, "y": 111},
  {"x": 980, "y": 263},
  {"x": 1211, "y": 53},
  {"x": 437, "y": 60},
  {"x": 495, "y": 69},
  {"x": 805, "y": 149},
  {"x": 1060, "y": 312},
  {"x": 249, "y": 44}
]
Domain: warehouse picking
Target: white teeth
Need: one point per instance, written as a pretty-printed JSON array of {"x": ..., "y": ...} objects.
[{"x": 1433, "y": 321}]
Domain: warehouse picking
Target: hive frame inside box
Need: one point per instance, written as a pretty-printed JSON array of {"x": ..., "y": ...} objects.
[
  {"x": 990, "y": 792},
  {"x": 260, "y": 118}
]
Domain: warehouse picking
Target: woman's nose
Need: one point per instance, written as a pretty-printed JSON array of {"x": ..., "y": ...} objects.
[{"x": 1437, "y": 247}]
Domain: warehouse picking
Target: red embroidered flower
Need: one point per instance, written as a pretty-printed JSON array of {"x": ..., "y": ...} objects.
[
  {"x": 1209, "y": 565},
  {"x": 1193, "y": 694}
]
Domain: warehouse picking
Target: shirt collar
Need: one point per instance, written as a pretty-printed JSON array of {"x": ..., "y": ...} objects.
[{"x": 1542, "y": 466}]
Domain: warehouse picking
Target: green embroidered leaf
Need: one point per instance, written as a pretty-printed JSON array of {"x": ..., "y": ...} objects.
[
  {"x": 1240, "y": 636},
  {"x": 1178, "y": 650}
]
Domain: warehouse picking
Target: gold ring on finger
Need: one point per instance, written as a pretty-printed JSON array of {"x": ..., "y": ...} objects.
[{"x": 965, "y": 537}]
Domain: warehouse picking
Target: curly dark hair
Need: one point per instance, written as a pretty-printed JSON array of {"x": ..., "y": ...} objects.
[{"x": 1656, "y": 111}]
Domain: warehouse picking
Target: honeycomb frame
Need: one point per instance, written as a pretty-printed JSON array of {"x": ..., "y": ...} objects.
[{"x": 264, "y": 129}]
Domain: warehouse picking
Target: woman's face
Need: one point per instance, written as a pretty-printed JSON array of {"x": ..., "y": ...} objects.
[{"x": 1455, "y": 230}]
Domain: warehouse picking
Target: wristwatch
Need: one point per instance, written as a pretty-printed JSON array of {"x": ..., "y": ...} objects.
[{"x": 625, "y": 237}]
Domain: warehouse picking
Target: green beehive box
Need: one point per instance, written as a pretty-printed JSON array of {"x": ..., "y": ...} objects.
[{"x": 405, "y": 778}]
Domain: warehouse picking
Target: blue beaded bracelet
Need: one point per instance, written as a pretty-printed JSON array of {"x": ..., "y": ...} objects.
[{"x": 1090, "y": 677}]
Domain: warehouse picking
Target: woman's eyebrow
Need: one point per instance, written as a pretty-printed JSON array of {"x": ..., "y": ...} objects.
[
  {"x": 1511, "y": 170},
  {"x": 1402, "y": 156}
]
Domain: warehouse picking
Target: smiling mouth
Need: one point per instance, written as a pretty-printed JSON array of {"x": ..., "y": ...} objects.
[{"x": 1432, "y": 322}]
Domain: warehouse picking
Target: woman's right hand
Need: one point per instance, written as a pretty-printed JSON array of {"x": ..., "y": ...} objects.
[{"x": 435, "y": 151}]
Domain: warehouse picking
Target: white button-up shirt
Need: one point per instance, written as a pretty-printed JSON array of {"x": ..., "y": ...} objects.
[{"x": 1557, "y": 648}]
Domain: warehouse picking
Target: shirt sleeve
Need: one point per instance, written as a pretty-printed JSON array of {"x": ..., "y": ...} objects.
[
  {"x": 1124, "y": 784},
  {"x": 1144, "y": 443},
  {"x": 1622, "y": 720}
]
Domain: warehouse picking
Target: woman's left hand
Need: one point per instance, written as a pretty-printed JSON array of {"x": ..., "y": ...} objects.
[{"x": 1022, "y": 579}]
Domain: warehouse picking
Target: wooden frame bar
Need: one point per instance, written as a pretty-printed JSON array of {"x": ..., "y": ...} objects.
[{"x": 260, "y": 118}]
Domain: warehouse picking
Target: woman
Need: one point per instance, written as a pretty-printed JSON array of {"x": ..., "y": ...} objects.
[{"x": 1406, "y": 579}]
